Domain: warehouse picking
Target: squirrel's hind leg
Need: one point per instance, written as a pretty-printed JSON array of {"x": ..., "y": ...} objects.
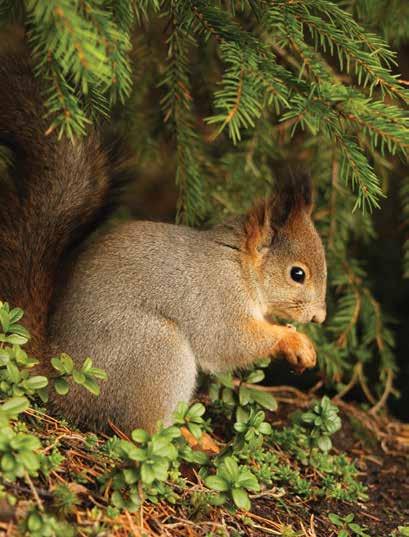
[
  {"x": 169, "y": 377},
  {"x": 149, "y": 372}
]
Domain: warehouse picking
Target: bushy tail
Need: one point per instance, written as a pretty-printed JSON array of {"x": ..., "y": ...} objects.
[{"x": 58, "y": 190}]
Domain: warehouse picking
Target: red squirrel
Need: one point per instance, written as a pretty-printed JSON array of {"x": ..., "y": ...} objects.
[{"x": 151, "y": 303}]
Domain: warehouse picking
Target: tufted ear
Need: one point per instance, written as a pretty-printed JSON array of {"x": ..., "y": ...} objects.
[
  {"x": 257, "y": 227},
  {"x": 263, "y": 221},
  {"x": 293, "y": 198}
]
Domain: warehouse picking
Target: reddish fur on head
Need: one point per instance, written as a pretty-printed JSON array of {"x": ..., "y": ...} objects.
[
  {"x": 293, "y": 199},
  {"x": 279, "y": 236}
]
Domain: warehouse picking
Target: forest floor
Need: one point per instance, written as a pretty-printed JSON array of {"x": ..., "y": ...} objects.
[
  {"x": 378, "y": 446},
  {"x": 380, "y": 450}
]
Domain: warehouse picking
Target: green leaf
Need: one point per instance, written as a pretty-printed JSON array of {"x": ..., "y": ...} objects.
[
  {"x": 131, "y": 476},
  {"x": 159, "y": 443},
  {"x": 214, "y": 390},
  {"x": 228, "y": 396},
  {"x": 170, "y": 433},
  {"x": 308, "y": 417},
  {"x": 166, "y": 450},
  {"x": 265, "y": 428},
  {"x": 160, "y": 469},
  {"x": 263, "y": 362},
  {"x": 218, "y": 499},
  {"x": 43, "y": 395},
  {"x": 98, "y": 373},
  {"x": 117, "y": 499},
  {"x": 134, "y": 453},
  {"x": 57, "y": 364},
  {"x": 242, "y": 415},
  {"x": 244, "y": 395},
  {"x": 4, "y": 320},
  {"x": 22, "y": 358},
  {"x": 15, "y": 339},
  {"x": 147, "y": 473},
  {"x": 229, "y": 469},
  {"x": 61, "y": 386},
  {"x": 196, "y": 411},
  {"x": 264, "y": 399},
  {"x": 30, "y": 460},
  {"x": 358, "y": 530},
  {"x": 240, "y": 427},
  {"x": 86, "y": 366},
  {"x": 36, "y": 383},
  {"x": 92, "y": 386},
  {"x": 198, "y": 457},
  {"x": 334, "y": 518},
  {"x": 15, "y": 406},
  {"x": 241, "y": 499},
  {"x": 324, "y": 443},
  {"x": 79, "y": 377},
  {"x": 8, "y": 462},
  {"x": 24, "y": 441},
  {"x": 248, "y": 480},
  {"x": 181, "y": 410},
  {"x": 326, "y": 403},
  {"x": 195, "y": 430},
  {"x": 216, "y": 483},
  {"x": 226, "y": 380},
  {"x": 15, "y": 315},
  {"x": 4, "y": 356},
  {"x": 67, "y": 363},
  {"x": 255, "y": 376},
  {"x": 21, "y": 331},
  {"x": 34, "y": 522},
  {"x": 13, "y": 373},
  {"x": 140, "y": 436}
]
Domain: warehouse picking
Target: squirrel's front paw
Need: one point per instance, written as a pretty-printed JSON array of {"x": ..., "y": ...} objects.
[{"x": 298, "y": 350}]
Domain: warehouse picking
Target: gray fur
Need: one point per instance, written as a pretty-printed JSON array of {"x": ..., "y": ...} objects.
[{"x": 152, "y": 303}]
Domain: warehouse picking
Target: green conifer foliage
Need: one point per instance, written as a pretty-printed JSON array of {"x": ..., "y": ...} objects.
[{"x": 236, "y": 88}]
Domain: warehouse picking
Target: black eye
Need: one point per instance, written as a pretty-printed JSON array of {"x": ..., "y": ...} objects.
[{"x": 297, "y": 274}]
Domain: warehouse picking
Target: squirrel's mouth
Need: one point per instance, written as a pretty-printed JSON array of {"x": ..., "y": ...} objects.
[
  {"x": 290, "y": 315},
  {"x": 279, "y": 319}
]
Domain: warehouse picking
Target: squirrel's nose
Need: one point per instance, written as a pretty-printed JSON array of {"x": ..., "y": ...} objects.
[{"x": 319, "y": 316}]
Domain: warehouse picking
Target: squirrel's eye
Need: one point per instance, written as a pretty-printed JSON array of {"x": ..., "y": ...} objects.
[{"x": 297, "y": 274}]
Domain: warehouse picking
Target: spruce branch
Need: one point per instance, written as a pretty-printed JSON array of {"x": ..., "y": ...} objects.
[
  {"x": 368, "y": 66},
  {"x": 78, "y": 46},
  {"x": 177, "y": 107},
  {"x": 143, "y": 8}
]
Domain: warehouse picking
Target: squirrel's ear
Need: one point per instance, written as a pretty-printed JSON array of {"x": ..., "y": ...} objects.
[
  {"x": 257, "y": 227},
  {"x": 263, "y": 221},
  {"x": 294, "y": 197}
]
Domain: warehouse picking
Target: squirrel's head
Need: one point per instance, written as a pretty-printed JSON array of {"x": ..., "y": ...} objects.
[{"x": 287, "y": 254}]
